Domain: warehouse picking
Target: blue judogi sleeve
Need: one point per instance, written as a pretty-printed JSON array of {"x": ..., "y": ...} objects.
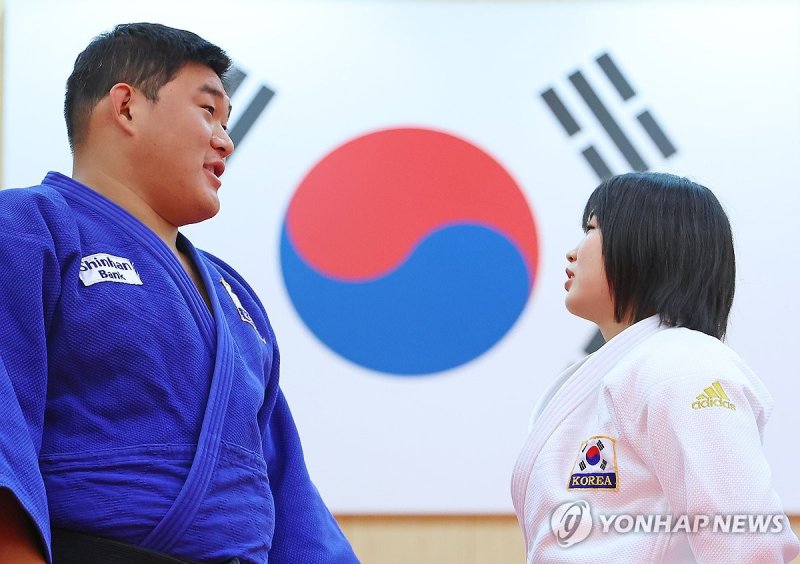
[
  {"x": 305, "y": 531},
  {"x": 19, "y": 469},
  {"x": 34, "y": 235}
]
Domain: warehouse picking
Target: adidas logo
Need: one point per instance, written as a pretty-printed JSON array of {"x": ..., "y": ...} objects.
[{"x": 713, "y": 396}]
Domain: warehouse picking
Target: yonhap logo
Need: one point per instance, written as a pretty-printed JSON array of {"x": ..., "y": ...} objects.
[{"x": 571, "y": 522}]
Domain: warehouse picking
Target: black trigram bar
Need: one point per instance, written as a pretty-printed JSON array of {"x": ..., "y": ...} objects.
[
  {"x": 607, "y": 121},
  {"x": 571, "y": 126},
  {"x": 597, "y": 163},
  {"x": 656, "y": 133},
  {"x": 596, "y": 342},
  {"x": 613, "y": 73},
  {"x": 560, "y": 111},
  {"x": 233, "y": 80},
  {"x": 251, "y": 114}
]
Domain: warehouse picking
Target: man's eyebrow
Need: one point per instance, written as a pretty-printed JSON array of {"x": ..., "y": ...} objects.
[{"x": 216, "y": 92}]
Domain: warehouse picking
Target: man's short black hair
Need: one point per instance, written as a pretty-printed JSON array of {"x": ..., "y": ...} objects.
[
  {"x": 144, "y": 55},
  {"x": 667, "y": 250}
]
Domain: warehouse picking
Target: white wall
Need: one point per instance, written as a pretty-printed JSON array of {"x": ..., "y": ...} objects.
[{"x": 721, "y": 78}]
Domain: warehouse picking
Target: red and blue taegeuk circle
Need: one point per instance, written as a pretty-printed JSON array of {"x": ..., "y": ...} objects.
[
  {"x": 409, "y": 251},
  {"x": 593, "y": 455}
]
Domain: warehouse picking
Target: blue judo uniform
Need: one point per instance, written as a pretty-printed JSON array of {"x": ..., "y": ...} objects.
[{"x": 127, "y": 409}]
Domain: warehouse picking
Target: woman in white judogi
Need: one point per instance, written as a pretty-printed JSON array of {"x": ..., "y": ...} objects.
[{"x": 650, "y": 449}]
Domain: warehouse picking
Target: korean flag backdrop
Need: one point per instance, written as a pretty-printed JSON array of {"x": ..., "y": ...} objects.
[{"x": 408, "y": 178}]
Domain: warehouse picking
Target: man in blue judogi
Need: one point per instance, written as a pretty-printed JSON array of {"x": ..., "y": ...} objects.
[{"x": 141, "y": 418}]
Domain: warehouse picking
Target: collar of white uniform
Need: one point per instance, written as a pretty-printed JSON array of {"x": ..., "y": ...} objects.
[
  {"x": 579, "y": 382},
  {"x": 607, "y": 356}
]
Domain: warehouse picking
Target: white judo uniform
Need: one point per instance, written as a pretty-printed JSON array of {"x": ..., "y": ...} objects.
[{"x": 659, "y": 423}]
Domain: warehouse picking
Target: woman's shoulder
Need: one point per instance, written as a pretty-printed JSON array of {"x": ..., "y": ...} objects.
[
  {"x": 678, "y": 357},
  {"x": 680, "y": 371},
  {"x": 680, "y": 352}
]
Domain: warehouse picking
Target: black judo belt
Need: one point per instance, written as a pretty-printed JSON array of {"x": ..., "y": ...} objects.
[{"x": 72, "y": 547}]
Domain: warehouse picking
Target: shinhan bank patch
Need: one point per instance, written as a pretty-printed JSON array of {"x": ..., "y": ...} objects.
[{"x": 103, "y": 267}]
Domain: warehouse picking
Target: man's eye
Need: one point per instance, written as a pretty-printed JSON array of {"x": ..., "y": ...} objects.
[{"x": 209, "y": 109}]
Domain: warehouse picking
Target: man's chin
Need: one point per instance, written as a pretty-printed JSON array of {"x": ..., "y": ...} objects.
[{"x": 202, "y": 213}]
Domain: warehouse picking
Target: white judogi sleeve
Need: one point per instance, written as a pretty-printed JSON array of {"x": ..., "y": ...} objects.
[{"x": 706, "y": 450}]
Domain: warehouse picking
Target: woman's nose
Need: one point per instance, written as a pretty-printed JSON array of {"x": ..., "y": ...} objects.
[{"x": 571, "y": 255}]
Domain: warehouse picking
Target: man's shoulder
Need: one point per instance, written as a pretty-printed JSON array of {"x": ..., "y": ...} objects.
[
  {"x": 31, "y": 195},
  {"x": 34, "y": 210}
]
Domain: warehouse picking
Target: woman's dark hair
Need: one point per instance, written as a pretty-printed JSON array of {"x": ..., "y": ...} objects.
[
  {"x": 667, "y": 250},
  {"x": 144, "y": 55}
]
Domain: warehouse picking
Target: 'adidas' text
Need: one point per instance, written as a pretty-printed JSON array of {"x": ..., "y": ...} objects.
[{"x": 713, "y": 396}]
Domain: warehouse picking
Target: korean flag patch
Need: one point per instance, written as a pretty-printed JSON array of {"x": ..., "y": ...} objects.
[{"x": 595, "y": 467}]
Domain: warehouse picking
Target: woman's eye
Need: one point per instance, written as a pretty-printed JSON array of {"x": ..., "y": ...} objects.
[{"x": 209, "y": 109}]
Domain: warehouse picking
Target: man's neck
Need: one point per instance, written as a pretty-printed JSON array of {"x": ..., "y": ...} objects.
[{"x": 122, "y": 194}]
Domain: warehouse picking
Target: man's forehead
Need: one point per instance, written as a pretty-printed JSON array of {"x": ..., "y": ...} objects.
[
  {"x": 198, "y": 79},
  {"x": 201, "y": 74},
  {"x": 215, "y": 89}
]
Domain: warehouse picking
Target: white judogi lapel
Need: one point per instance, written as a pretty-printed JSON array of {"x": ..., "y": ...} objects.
[{"x": 572, "y": 387}]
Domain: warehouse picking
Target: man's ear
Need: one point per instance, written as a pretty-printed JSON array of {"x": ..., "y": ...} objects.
[{"x": 122, "y": 97}]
